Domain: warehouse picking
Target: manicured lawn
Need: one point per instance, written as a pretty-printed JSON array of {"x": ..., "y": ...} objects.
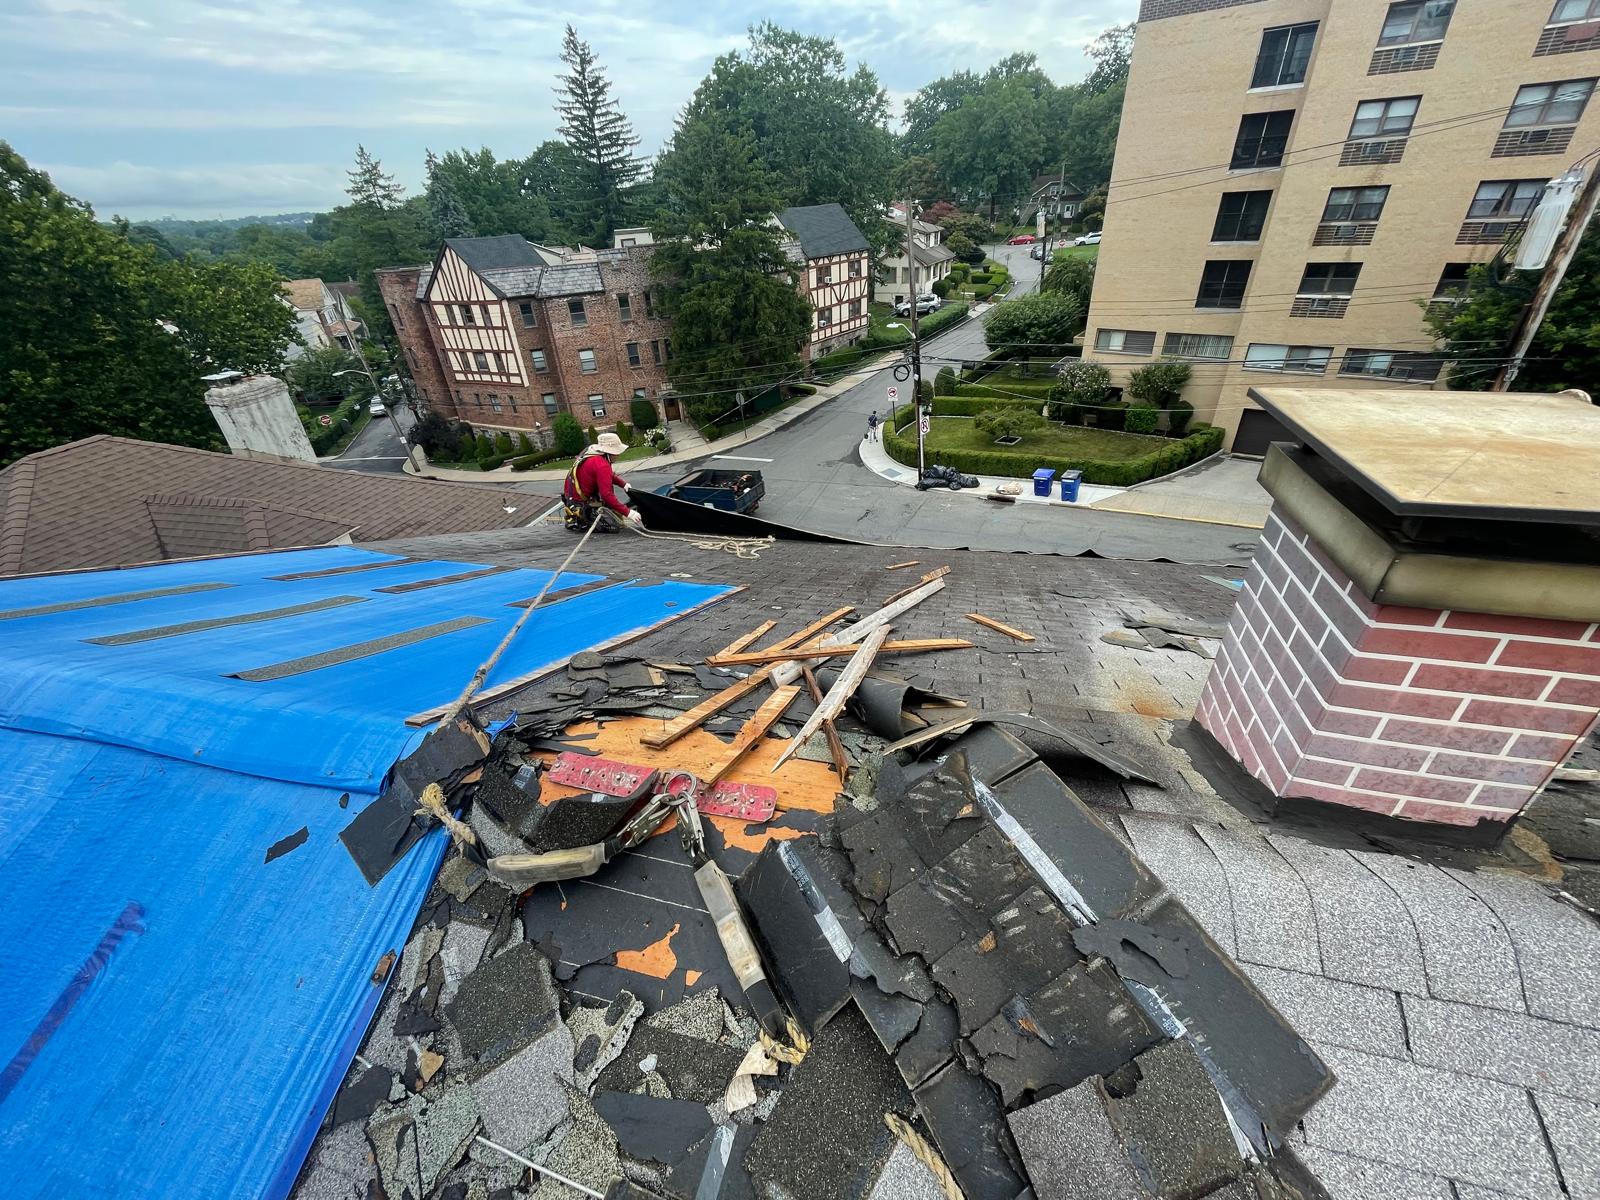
[
  {"x": 631, "y": 454},
  {"x": 1016, "y": 373},
  {"x": 1106, "y": 445},
  {"x": 880, "y": 317},
  {"x": 1076, "y": 252}
]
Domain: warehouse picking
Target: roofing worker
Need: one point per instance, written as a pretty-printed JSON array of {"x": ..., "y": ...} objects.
[{"x": 588, "y": 495}]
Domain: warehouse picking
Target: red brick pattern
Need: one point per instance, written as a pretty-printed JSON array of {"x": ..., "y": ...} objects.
[{"x": 1441, "y": 716}]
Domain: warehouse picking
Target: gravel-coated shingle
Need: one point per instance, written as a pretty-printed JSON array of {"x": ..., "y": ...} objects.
[
  {"x": 1331, "y": 1010},
  {"x": 1513, "y": 1048}
]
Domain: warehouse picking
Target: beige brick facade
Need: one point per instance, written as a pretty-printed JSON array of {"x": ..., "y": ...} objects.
[{"x": 1368, "y": 206}]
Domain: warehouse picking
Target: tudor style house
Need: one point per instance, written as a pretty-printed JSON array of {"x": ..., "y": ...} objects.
[
  {"x": 504, "y": 333},
  {"x": 835, "y": 274}
]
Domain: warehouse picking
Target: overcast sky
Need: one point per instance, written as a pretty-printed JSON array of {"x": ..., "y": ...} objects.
[{"x": 151, "y": 108}]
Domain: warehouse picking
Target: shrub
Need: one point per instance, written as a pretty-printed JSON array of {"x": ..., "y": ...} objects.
[
  {"x": 443, "y": 440},
  {"x": 940, "y": 288},
  {"x": 1179, "y": 414},
  {"x": 568, "y": 434},
  {"x": 1159, "y": 383},
  {"x": 1079, "y": 385},
  {"x": 482, "y": 447},
  {"x": 1110, "y": 414},
  {"x": 529, "y": 461},
  {"x": 624, "y": 431},
  {"x": 959, "y": 272},
  {"x": 1164, "y": 457},
  {"x": 491, "y": 463},
  {"x": 644, "y": 414},
  {"x": 1071, "y": 277},
  {"x": 1043, "y": 324},
  {"x": 981, "y": 291},
  {"x": 925, "y": 391},
  {"x": 524, "y": 446},
  {"x": 944, "y": 383},
  {"x": 1011, "y": 420},
  {"x": 711, "y": 432},
  {"x": 950, "y": 314},
  {"x": 503, "y": 445},
  {"x": 1142, "y": 418},
  {"x": 963, "y": 247},
  {"x": 590, "y": 433}
]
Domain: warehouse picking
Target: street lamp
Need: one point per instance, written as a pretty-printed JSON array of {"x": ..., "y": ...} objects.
[{"x": 377, "y": 392}]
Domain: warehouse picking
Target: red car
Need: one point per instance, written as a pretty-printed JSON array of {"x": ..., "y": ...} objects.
[{"x": 1026, "y": 239}]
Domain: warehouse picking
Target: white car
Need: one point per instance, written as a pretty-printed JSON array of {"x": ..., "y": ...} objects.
[
  {"x": 1088, "y": 239},
  {"x": 376, "y": 407},
  {"x": 927, "y": 302}
]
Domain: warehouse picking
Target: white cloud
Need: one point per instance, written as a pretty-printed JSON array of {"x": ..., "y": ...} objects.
[{"x": 144, "y": 191}]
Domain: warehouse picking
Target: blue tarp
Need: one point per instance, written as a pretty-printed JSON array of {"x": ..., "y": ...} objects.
[{"x": 176, "y": 1011}]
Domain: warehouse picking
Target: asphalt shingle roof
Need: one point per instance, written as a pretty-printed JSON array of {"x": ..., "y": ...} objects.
[
  {"x": 823, "y": 229},
  {"x": 110, "y": 501},
  {"x": 490, "y": 253}
]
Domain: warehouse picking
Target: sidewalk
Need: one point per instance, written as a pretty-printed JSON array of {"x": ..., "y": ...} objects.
[
  {"x": 701, "y": 448},
  {"x": 1220, "y": 490},
  {"x": 876, "y": 459}
]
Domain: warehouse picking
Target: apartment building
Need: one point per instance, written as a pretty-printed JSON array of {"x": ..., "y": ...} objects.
[
  {"x": 504, "y": 333},
  {"x": 1295, "y": 180}
]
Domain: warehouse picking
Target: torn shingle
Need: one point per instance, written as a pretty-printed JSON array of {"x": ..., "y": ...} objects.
[
  {"x": 504, "y": 1003},
  {"x": 1166, "y": 1113},
  {"x": 1071, "y": 1151},
  {"x": 653, "y": 1129}
]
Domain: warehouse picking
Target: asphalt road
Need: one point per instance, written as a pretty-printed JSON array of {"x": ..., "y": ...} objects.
[
  {"x": 815, "y": 481},
  {"x": 376, "y": 449}
]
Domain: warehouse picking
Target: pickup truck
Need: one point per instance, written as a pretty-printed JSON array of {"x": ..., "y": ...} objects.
[{"x": 734, "y": 491}]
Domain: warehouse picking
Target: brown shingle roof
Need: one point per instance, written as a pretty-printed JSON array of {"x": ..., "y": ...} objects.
[
  {"x": 304, "y": 293},
  {"x": 111, "y": 501}
]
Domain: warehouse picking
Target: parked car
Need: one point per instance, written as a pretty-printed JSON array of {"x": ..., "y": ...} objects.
[
  {"x": 1037, "y": 251},
  {"x": 1088, "y": 239},
  {"x": 1022, "y": 239},
  {"x": 927, "y": 302},
  {"x": 376, "y": 408}
]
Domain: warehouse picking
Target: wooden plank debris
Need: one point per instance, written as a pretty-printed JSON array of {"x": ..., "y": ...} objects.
[
  {"x": 936, "y": 573},
  {"x": 740, "y": 642},
  {"x": 754, "y": 729},
  {"x": 811, "y": 630},
  {"x": 789, "y": 672},
  {"x": 914, "y": 562},
  {"x": 1000, "y": 627},
  {"x": 843, "y": 688},
  {"x": 841, "y": 761},
  {"x": 819, "y": 650},
  {"x": 708, "y": 707}
]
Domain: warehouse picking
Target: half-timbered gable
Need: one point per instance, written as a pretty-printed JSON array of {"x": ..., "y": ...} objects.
[{"x": 835, "y": 274}]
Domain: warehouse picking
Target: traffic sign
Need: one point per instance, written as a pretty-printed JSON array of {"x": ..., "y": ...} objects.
[
  {"x": 324, "y": 419},
  {"x": 894, "y": 394},
  {"x": 925, "y": 425}
]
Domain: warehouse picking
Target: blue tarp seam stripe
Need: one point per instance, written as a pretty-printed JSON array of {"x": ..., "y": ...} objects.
[
  {"x": 45, "y": 610},
  {"x": 156, "y": 632},
  {"x": 336, "y": 655}
]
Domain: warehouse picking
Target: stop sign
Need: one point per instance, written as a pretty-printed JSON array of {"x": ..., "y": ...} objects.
[{"x": 324, "y": 419}]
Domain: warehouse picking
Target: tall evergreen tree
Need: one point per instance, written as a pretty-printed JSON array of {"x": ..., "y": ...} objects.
[
  {"x": 378, "y": 228},
  {"x": 601, "y": 139},
  {"x": 738, "y": 321},
  {"x": 447, "y": 215},
  {"x": 370, "y": 184}
]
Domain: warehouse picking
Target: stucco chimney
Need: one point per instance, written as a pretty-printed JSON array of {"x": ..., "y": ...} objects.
[
  {"x": 1418, "y": 634},
  {"x": 257, "y": 417}
]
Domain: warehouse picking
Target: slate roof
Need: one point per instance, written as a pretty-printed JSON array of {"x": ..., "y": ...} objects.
[
  {"x": 493, "y": 253},
  {"x": 110, "y": 501},
  {"x": 1452, "y": 993},
  {"x": 823, "y": 229}
]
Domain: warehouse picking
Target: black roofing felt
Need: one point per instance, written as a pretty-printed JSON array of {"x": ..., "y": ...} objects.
[
  {"x": 491, "y": 253},
  {"x": 823, "y": 229}
]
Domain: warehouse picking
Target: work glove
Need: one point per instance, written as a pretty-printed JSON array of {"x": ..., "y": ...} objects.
[{"x": 635, "y": 518}]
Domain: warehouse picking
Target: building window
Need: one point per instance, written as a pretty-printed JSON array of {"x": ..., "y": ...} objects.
[
  {"x": 855, "y": 309},
  {"x": 1500, "y": 198},
  {"x": 597, "y": 406},
  {"x": 586, "y": 362},
  {"x": 1355, "y": 204},
  {"x": 1241, "y": 216},
  {"x": 411, "y": 356},
  {"x": 649, "y": 303},
  {"x": 1550, "y": 104},
  {"x": 1285, "y": 53},
  {"x": 824, "y": 317},
  {"x": 855, "y": 268},
  {"x": 549, "y": 399},
  {"x": 1329, "y": 279},
  {"x": 494, "y": 401},
  {"x": 576, "y": 313},
  {"x": 655, "y": 352},
  {"x": 640, "y": 394},
  {"x": 468, "y": 317},
  {"x": 399, "y": 321},
  {"x": 1392, "y": 364},
  {"x": 480, "y": 360},
  {"x": 1385, "y": 118},
  {"x": 1125, "y": 341},
  {"x": 1222, "y": 284},
  {"x": 525, "y": 311},
  {"x": 625, "y": 306},
  {"x": 1452, "y": 285},
  {"x": 825, "y": 274},
  {"x": 538, "y": 360},
  {"x": 1262, "y": 139},
  {"x": 1306, "y": 360},
  {"x": 1416, "y": 21},
  {"x": 1198, "y": 345},
  {"x": 633, "y": 354},
  {"x": 1575, "y": 10},
  {"x": 666, "y": 349}
]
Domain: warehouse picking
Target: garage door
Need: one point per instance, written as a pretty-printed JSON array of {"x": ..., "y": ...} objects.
[{"x": 1257, "y": 431}]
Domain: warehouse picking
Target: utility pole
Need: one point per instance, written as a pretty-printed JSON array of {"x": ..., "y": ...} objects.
[
  {"x": 916, "y": 350},
  {"x": 1554, "y": 271}
]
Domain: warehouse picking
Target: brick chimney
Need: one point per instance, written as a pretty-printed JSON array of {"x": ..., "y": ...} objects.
[{"x": 1418, "y": 634}]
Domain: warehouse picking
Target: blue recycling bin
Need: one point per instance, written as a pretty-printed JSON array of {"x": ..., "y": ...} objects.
[
  {"x": 1042, "y": 479},
  {"x": 1069, "y": 485}
]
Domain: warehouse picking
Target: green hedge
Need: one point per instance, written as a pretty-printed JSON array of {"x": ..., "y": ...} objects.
[
  {"x": 529, "y": 461},
  {"x": 970, "y": 404},
  {"x": 982, "y": 291},
  {"x": 1173, "y": 456},
  {"x": 942, "y": 318}
]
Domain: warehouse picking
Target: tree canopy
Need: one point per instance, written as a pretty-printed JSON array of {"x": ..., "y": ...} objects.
[
  {"x": 101, "y": 333},
  {"x": 1039, "y": 325}
]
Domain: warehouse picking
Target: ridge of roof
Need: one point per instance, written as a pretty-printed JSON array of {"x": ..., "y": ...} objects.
[{"x": 823, "y": 229}]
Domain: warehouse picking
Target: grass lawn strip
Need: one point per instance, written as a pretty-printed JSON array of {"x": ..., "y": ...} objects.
[{"x": 1056, "y": 441}]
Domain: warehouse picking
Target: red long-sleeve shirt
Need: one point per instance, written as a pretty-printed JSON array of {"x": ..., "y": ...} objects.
[{"x": 597, "y": 481}]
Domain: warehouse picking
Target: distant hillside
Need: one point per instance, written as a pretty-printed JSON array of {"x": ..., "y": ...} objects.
[{"x": 171, "y": 225}]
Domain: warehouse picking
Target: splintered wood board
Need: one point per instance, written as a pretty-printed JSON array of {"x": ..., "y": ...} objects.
[{"x": 801, "y": 783}]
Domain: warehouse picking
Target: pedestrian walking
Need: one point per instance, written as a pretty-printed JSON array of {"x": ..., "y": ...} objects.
[{"x": 872, "y": 426}]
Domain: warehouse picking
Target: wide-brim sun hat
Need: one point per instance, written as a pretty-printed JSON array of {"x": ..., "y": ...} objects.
[{"x": 610, "y": 443}]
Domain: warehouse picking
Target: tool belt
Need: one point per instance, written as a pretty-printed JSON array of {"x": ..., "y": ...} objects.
[{"x": 577, "y": 510}]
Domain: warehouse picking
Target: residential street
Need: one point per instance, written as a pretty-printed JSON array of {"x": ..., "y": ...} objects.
[
  {"x": 815, "y": 481},
  {"x": 376, "y": 449}
]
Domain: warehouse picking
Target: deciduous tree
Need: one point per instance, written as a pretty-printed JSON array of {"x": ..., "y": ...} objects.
[{"x": 1037, "y": 325}]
